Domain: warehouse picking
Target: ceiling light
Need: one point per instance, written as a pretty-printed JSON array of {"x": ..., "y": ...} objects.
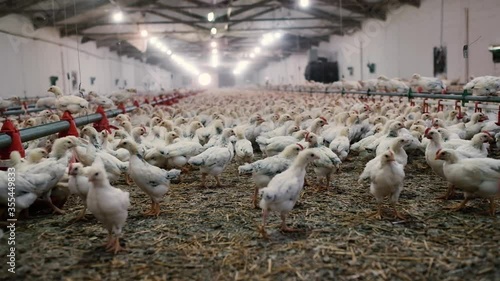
[
  {"x": 211, "y": 16},
  {"x": 252, "y": 55},
  {"x": 236, "y": 72},
  {"x": 494, "y": 48},
  {"x": 164, "y": 49},
  {"x": 213, "y": 31},
  {"x": 277, "y": 34},
  {"x": 214, "y": 51},
  {"x": 304, "y": 3},
  {"x": 157, "y": 44},
  {"x": 118, "y": 16},
  {"x": 153, "y": 40},
  {"x": 144, "y": 33},
  {"x": 213, "y": 44},
  {"x": 257, "y": 50},
  {"x": 169, "y": 52},
  {"x": 204, "y": 79}
]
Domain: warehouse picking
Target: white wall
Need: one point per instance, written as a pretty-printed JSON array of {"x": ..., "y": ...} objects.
[
  {"x": 28, "y": 57},
  {"x": 403, "y": 44},
  {"x": 287, "y": 71}
]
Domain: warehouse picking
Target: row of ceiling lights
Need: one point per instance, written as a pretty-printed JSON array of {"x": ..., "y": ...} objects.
[{"x": 266, "y": 40}]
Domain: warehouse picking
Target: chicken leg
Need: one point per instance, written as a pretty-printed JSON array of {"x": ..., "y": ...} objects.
[
  {"x": 378, "y": 213},
  {"x": 396, "y": 213},
  {"x": 54, "y": 207},
  {"x": 218, "y": 181},
  {"x": 128, "y": 179},
  {"x": 262, "y": 228},
  {"x": 450, "y": 192},
  {"x": 285, "y": 228},
  {"x": 152, "y": 211},
  {"x": 115, "y": 246},
  {"x": 492, "y": 209},
  {"x": 254, "y": 197},
  {"x": 459, "y": 206},
  {"x": 81, "y": 215},
  {"x": 204, "y": 180}
]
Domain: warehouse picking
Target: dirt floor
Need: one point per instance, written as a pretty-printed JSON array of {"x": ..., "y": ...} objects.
[{"x": 211, "y": 234}]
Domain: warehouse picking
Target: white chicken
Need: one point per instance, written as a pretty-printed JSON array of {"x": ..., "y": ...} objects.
[
  {"x": 284, "y": 189},
  {"x": 328, "y": 161},
  {"x": 476, "y": 177},
  {"x": 79, "y": 185},
  {"x": 109, "y": 205},
  {"x": 214, "y": 160},
  {"x": 150, "y": 179},
  {"x": 427, "y": 84},
  {"x": 265, "y": 169},
  {"x": 73, "y": 104},
  {"x": 243, "y": 148},
  {"x": 386, "y": 180},
  {"x": 340, "y": 145}
]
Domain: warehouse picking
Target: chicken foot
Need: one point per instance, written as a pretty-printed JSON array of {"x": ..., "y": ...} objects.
[
  {"x": 81, "y": 215},
  {"x": 397, "y": 213},
  {"x": 262, "y": 228},
  {"x": 450, "y": 192},
  {"x": 155, "y": 209},
  {"x": 254, "y": 197},
  {"x": 54, "y": 207},
  {"x": 459, "y": 206},
  {"x": 204, "y": 180},
  {"x": 217, "y": 179},
  {"x": 284, "y": 227},
  {"x": 492, "y": 209}
]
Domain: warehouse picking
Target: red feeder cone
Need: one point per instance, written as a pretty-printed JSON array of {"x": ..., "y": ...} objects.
[
  {"x": 72, "y": 131},
  {"x": 102, "y": 124},
  {"x": 16, "y": 144},
  {"x": 122, "y": 107},
  {"x": 136, "y": 104}
]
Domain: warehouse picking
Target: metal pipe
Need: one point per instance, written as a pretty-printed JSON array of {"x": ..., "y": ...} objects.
[
  {"x": 21, "y": 111},
  {"x": 32, "y": 133}
]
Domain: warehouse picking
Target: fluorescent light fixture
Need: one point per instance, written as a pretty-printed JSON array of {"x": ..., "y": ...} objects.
[
  {"x": 204, "y": 79},
  {"x": 157, "y": 44},
  {"x": 252, "y": 55},
  {"x": 236, "y": 72},
  {"x": 213, "y": 30},
  {"x": 164, "y": 49},
  {"x": 277, "y": 35},
  {"x": 494, "y": 48},
  {"x": 118, "y": 16},
  {"x": 169, "y": 52},
  {"x": 144, "y": 33},
  {"x": 304, "y": 3},
  {"x": 211, "y": 16},
  {"x": 153, "y": 40},
  {"x": 257, "y": 50},
  {"x": 213, "y": 44},
  {"x": 214, "y": 51}
]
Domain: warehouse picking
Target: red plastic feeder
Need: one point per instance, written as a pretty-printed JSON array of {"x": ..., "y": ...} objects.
[
  {"x": 459, "y": 108},
  {"x": 136, "y": 104},
  {"x": 477, "y": 108},
  {"x": 440, "y": 106},
  {"x": 15, "y": 145},
  {"x": 72, "y": 131},
  {"x": 103, "y": 124},
  {"x": 425, "y": 106},
  {"x": 122, "y": 107}
]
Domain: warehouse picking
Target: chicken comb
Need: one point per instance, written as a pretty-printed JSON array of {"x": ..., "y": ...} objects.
[
  {"x": 323, "y": 118},
  {"x": 307, "y": 135},
  {"x": 487, "y": 133},
  {"x": 300, "y": 146},
  {"x": 427, "y": 131},
  {"x": 438, "y": 151}
]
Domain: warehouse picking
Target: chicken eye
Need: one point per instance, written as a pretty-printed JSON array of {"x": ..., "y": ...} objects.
[
  {"x": 96, "y": 174},
  {"x": 387, "y": 156},
  {"x": 312, "y": 155},
  {"x": 69, "y": 142}
]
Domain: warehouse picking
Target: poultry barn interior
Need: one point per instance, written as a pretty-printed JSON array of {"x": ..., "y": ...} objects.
[{"x": 249, "y": 139}]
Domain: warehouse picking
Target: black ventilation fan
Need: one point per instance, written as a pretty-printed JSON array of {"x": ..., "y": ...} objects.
[
  {"x": 495, "y": 51},
  {"x": 322, "y": 71}
]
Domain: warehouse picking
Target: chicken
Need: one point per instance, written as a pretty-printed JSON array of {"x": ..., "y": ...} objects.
[
  {"x": 284, "y": 189},
  {"x": 73, "y": 104},
  {"x": 427, "y": 84},
  {"x": 109, "y": 205},
  {"x": 340, "y": 145},
  {"x": 483, "y": 86},
  {"x": 328, "y": 161},
  {"x": 386, "y": 180},
  {"x": 243, "y": 148},
  {"x": 79, "y": 185},
  {"x": 150, "y": 179},
  {"x": 275, "y": 145},
  {"x": 476, "y": 177},
  {"x": 214, "y": 160},
  {"x": 475, "y": 125},
  {"x": 264, "y": 170}
]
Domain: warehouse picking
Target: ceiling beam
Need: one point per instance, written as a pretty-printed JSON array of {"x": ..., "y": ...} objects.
[
  {"x": 179, "y": 11},
  {"x": 71, "y": 10},
  {"x": 75, "y": 29},
  {"x": 196, "y": 26},
  {"x": 263, "y": 12},
  {"x": 241, "y": 11},
  {"x": 15, "y": 7},
  {"x": 321, "y": 14}
]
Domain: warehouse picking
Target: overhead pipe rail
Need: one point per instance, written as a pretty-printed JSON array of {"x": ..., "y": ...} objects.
[{"x": 40, "y": 131}]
